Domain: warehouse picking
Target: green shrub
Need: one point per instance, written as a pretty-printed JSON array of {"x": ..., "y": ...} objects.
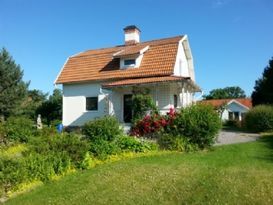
[
  {"x": 12, "y": 173},
  {"x": 198, "y": 123},
  {"x": 3, "y": 138},
  {"x": 142, "y": 102},
  {"x": 19, "y": 129},
  {"x": 126, "y": 143},
  {"x": 105, "y": 128},
  {"x": 44, "y": 167},
  {"x": 46, "y": 131},
  {"x": 73, "y": 145},
  {"x": 102, "y": 149},
  {"x": 231, "y": 123},
  {"x": 259, "y": 118},
  {"x": 176, "y": 143},
  {"x": 46, "y": 157}
]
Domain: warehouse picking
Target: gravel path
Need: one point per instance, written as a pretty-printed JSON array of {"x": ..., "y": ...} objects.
[{"x": 232, "y": 137}]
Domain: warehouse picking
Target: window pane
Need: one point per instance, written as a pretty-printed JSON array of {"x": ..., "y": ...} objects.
[
  {"x": 92, "y": 103},
  {"x": 236, "y": 115},
  {"x": 230, "y": 115},
  {"x": 130, "y": 62},
  {"x": 175, "y": 101}
]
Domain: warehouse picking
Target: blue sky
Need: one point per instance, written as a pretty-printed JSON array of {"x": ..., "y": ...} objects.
[{"x": 231, "y": 40}]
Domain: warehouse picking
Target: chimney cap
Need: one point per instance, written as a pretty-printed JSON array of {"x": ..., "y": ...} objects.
[{"x": 131, "y": 27}]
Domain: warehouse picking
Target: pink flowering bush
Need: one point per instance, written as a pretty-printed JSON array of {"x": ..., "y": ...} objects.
[
  {"x": 197, "y": 125},
  {"x": 152, "y": 124}
]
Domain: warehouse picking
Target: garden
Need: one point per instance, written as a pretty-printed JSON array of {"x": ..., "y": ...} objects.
[{"x": 30, "y": 156}]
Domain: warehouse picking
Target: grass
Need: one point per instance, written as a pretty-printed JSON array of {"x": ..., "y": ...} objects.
[{"x": 231, "y": 174}]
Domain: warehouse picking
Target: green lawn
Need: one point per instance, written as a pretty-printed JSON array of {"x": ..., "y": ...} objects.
[{"x": 232, "y": 174}]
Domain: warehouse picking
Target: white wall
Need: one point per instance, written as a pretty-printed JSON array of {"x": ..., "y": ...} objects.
[
  {"x": 74, "y": 103},
  {"x": 184, "y": 60},
  {"x": 181, "y": 67},
  {"x": 233, "y": 107}
]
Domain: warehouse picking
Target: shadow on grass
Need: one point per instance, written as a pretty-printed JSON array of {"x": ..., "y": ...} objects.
[{"x": 268, "y": 142}]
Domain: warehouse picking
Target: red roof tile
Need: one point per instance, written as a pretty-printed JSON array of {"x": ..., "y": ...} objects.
[
  {"x": 218, "y": 102},
  {"x": 99, "y": 64},
  {"x": 130, "y": 82}
]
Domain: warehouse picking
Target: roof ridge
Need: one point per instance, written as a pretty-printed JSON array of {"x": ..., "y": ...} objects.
[
  {"x": 228, "y": 99},
  {"x": 80, "y": 54},
  {"x": 161, "y": 39}
]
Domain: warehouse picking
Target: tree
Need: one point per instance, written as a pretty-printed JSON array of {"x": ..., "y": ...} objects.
[
  {"x": 263, "y": 89},
  {"x": 34, "y": 100},
  {"x": 226, "y": 93},
  {"x": 13, "y": 89},
  {"x": 51, "y": 109}
]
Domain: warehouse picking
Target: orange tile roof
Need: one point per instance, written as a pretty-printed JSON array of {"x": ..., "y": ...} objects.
[
  {"x": 218, "y": 102},
  {"x": 130, "y": 50},
  {"x": 99, "y": 65},
  {"x": 130, "y": 82}
]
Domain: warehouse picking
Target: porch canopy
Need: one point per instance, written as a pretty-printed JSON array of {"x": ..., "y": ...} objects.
[{"x": 148, "y": 81}]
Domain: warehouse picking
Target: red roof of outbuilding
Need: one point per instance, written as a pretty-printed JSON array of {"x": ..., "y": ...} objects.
[{"x": 218, "y": 102}]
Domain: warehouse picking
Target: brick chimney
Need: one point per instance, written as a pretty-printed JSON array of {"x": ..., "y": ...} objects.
[{"x": 132, "y": 35}]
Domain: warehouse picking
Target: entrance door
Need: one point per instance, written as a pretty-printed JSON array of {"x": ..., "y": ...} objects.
[{"x": 127, "y": 108}]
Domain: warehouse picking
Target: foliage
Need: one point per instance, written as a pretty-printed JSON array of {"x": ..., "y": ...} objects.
[
  {"x": 152, "y": 124},
  {"x": 169, "y": 178},
  {"x": 126, "y": 143},
  {"x": 34, "y": 100},
  {"x": 101, "y": 149},
  {"x": 225, "y": 93},
  {"x": 70, "y": 144},
  {"x": 106, "y": 128},
  {"x": 176, "y": 143},
  {"x": 46, "y": 131},
  {"x": 45, "y": 158},
  {"x": 142, "y": 103},
  {"x": 263, "y": 89},
  {"x": 19, "y": 129},
  {"x": 2, "y": 133},
  {"x": 51, "y": 109},
  {"x": 12, "y": 173},
  {"x": 199, "y": 123},
  {"x": 231, "y": 123},
  {"x": 259, "y": 118},
  {"x": 45, "y": 167},
  {"x": 13, "y": 89}
]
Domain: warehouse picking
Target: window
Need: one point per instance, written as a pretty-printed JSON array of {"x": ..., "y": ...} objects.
[
  {"x": 236, "y": 115},
  {"x": 175, "y": 101},
  {"x": 233, "y": 115},
  {"x": 92, "y": 103},
  {"x": 230, "y": 115},
  {"x": 130, "y": 62}
]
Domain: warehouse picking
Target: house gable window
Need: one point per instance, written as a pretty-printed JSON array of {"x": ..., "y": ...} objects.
[
  {"x": 129, "y": 62},
  {"x": 91, "y": 103}
]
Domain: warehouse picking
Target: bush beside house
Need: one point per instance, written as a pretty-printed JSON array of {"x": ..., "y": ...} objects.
[
  {"x": 260, "y": 118},
  {"x": 196, "y": 125}
]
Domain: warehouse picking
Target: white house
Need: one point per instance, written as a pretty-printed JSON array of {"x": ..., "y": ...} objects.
[
  {"x": 100, "y": 82},
  {"x": 232, "y": 109}
]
